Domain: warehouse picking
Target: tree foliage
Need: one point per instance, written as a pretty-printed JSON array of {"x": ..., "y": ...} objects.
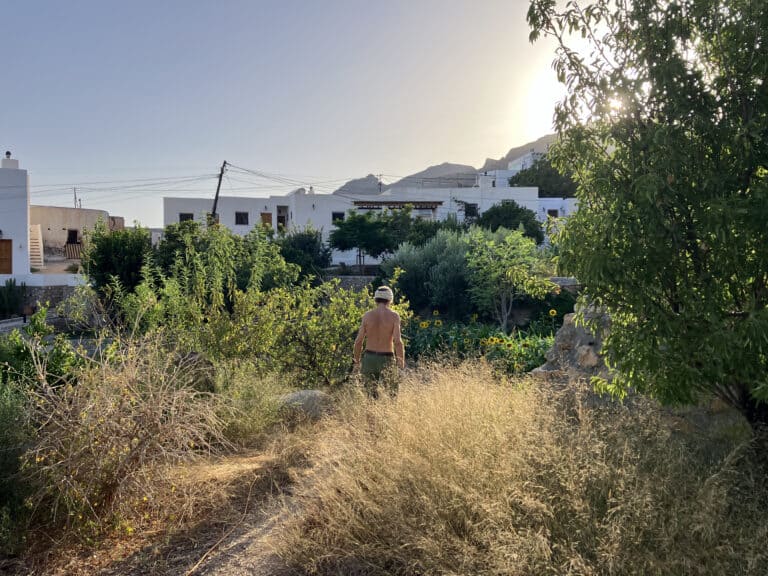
[
  {"x": 119, "y": 254},
  {"x": 306, "y": 249},
  {"x": 548, "y": 179},
  {"x": 433, "y": 275},
  {"x": 502, "y": 271},
  {"x": 664, "y": 127},
  {"x": 511, "y": 215}
]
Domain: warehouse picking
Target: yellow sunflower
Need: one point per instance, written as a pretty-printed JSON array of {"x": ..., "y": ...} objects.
[
  {"x": 553, "y": 312},
  {"x": 438, "y": 323}
]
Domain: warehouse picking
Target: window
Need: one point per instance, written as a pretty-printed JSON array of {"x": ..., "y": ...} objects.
[
  {"x": 470, "y": 210},
  {"x": 184, "y": 216},
  {"x": 553, "y": 213},
  {"x": 337, "y": 217},
  {"x": 241, "y": 218},
  {"x": 71, "y": 236}
]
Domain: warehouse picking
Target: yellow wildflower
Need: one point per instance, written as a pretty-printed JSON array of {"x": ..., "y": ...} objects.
[
  {"x": 435, "y": 312},
  {"x": 438, "y": 322},
  {"x": 553, "y": 312},
  {"x": 424, "y": 324}
]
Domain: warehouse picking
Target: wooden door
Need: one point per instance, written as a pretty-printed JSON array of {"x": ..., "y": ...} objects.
[
  {"x": 6, "y": 256},
  {"x": 266, "y": 218}
]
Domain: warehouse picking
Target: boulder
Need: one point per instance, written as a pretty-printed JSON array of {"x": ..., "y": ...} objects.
[
  {"x": 576, "y": 350},
  {"x": 308, "y": 404}
]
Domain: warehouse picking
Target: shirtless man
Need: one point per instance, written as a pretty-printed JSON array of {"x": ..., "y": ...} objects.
[{"x": 380, "y": 329}]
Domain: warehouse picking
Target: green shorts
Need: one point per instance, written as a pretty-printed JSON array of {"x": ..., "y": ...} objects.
[{"x": 378, "y": 368}]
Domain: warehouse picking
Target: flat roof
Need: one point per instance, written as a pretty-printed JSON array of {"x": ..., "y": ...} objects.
[{"x": 432, "y": 204}]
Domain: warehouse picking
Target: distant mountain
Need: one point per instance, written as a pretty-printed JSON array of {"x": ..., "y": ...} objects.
[
  {"x": 540, "y": 145},
  {"x": 445, "y": 174},
  {"x": 360, "y": 186},
  {"x": 442, "y": 175}
]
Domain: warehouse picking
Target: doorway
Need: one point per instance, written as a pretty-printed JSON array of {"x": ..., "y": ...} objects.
[{"x": 6, "y": 256}]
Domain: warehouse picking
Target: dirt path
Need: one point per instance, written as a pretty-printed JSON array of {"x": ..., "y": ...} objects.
[{"x": 234, "y": 544}]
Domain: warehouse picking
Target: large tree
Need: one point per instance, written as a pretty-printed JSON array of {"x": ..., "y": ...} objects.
[
  {"x": 665, "y": 128},
  {"x": 372, "y": 234},
  {"x": 510, "y": 215},
  {"x": 548, "y": 179}
]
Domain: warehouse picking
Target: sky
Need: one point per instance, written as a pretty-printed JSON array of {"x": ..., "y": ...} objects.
[{"x": 132, "y": 101}]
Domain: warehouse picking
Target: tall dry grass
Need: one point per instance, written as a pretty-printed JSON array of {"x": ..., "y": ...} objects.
[
  {"x": 105, "y": 447},
  {"x": 463, "y": 475}
]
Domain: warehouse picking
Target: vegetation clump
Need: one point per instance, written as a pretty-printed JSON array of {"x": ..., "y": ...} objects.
[{"x": 463, "y": 475}]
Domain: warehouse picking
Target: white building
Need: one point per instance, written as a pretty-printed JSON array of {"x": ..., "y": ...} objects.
[
  {"x": 14, "y": 219},
  {"x": 27, "y": 232},
  {"x": 302, "y": 208}
]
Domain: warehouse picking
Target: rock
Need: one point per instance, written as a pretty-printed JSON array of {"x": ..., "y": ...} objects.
[
  {"x": 576, "y": 350},
  {"x": 586, "y": 357},
  {"x": 310, "y": 404}
]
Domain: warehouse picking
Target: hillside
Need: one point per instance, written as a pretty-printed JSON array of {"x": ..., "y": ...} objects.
[{"x": 446, "y": 174}]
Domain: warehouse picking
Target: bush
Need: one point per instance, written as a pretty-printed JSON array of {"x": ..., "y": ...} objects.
[
  {"x": 14, "y": 433},
  {"x": 433, "y": 275},
  {"x": 512, "y": 216},
  {"x": 460, "y": 475},
  {"x": 100, "y": 448},
  {"x": 253, "y": 399},
  {"x": 117, "y": 254},
  {"x": 434, "y": 339},
  {"x": 306, "y": 249},
  {"x": 11, "y": 298},
  {"x": 313, "y": 330}
]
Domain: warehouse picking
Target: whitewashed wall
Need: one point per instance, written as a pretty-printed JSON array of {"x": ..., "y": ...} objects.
[{"x": 14, "y": 213}]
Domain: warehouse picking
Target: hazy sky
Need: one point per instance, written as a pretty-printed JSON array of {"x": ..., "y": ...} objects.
[{"x": 318, "y": 91}]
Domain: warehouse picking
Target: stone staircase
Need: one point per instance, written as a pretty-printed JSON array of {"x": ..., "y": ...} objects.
[{"x": 36, "y": 247}]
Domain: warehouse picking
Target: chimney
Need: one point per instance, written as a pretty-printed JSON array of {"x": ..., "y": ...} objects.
[{"x": 8, "y": 163}]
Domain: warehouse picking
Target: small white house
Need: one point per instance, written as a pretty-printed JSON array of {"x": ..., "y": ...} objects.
[
  {"x": 14, "y": 219},
  {"x": 27, "y": 232}
]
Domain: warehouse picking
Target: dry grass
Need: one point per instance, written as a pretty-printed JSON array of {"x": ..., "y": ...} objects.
[
  {"x": 105, "y": 448},
  {"x": 463, "y": 475}
]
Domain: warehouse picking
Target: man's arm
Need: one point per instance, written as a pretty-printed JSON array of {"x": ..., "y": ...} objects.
[
  {"x": 358, "y": 350},
  {"x": 398, "y": 341}
]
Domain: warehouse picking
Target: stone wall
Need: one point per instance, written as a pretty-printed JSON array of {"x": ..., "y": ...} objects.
[
  {"x": 51, "y": 294},
  {"x": 353, "y": 282}
]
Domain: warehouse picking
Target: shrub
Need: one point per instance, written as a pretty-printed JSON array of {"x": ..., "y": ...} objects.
[
  {"x": 518, "y": 353},
  {"x": 11, "y": 298},
  {"x": 314, "y": 329},
  {"x": 117, "y": 254},
  {"x": 512, "y": 216},
  {"x": 14, "y": 433},
  {"x": 306, "y": 249},
  {"x": 100, "y": 448},
  {"x": 433, "y": 275},
  {"x": 514, "y": 354},
  {"x": 253, "y": 399},
  {"x": 460, "y": 475}
]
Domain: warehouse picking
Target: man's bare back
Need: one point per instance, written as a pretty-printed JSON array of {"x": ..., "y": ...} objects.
[{"x": 380, "y": 330}]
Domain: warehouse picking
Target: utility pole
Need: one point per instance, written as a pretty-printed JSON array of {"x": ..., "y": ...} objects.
[
  {"x": 74, "y": 191},
  {"x": 380, "y": 175},
  {"x": 214, "y": 216}
]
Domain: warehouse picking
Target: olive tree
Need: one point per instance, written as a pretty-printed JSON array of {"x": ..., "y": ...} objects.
[{"x": 665, "y": 129}]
